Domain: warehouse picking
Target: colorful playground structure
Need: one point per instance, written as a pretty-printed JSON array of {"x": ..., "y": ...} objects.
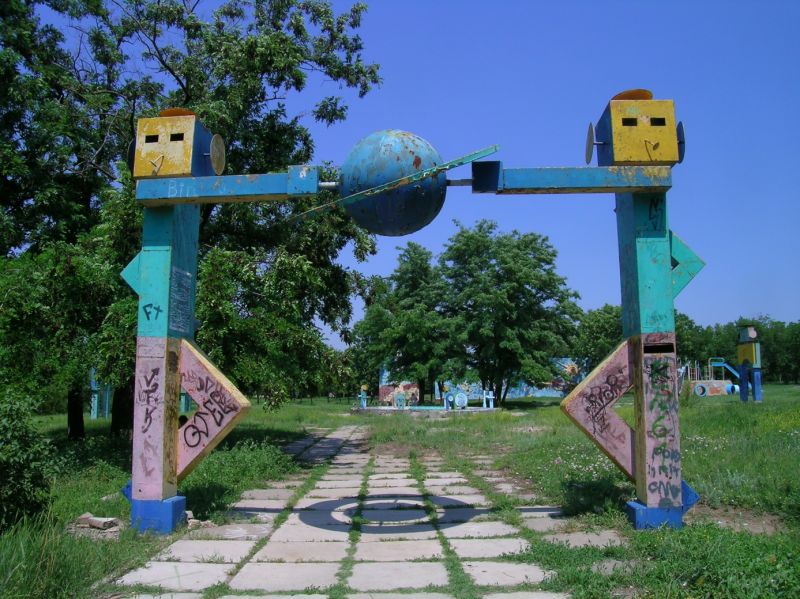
[
  {"x": 705, "y": 382},
  {"x": 394, "y": 183}
]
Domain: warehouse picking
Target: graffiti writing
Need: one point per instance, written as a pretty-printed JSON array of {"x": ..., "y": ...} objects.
[
  {"x": 216, "y": 404},
  {"x": 152, "y": 310},
  {"x": 148, "y": 397},
  {"x": 599, "y": 398},
  {"x": 664, "y": 460}
]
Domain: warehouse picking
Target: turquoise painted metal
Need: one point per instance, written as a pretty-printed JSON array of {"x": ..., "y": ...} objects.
[
  {"x": 383, "y": 157},
  {"x": 393, "y": 183}
]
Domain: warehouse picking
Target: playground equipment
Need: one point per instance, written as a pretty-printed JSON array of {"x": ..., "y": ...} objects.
[
  {"x": 393, "y": 184},
  {"x": 99, "y": 397},
  {"x": 362, "y": 397},
  {"x": 748, "y": 353},
  {"x": 704, "y": 381}
]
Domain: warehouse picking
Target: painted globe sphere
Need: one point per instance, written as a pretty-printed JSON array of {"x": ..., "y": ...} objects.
[{"x": 385, "y": 156}]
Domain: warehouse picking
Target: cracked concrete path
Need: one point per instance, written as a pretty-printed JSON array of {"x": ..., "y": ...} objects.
[{"x": 368, "y": 528}]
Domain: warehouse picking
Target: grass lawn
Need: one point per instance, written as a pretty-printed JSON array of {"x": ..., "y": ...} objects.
[{"x": 738, "y": 457}]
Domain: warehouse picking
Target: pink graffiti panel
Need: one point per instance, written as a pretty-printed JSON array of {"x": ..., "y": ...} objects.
[
  {"x": 662, "y": 436},
  {"x": 154, "y": 419},
  {"x": 219, "y": 403},
  {"x": 591, "y": 407}
]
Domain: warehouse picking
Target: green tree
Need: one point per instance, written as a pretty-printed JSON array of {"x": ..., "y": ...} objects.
[
  {"x": 515, "y": 312},
  {"x": 599, "y": 332},
  {"x": 418, "y": 339},
  {"x": 67, "y": 114}
]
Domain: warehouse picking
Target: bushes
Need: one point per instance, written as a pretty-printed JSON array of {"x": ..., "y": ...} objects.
[{"x": 24, "y": 459}]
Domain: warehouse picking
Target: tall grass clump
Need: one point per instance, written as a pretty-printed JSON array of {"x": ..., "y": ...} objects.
[
  {"x": 38, "y": 558},
  {"x": 24, "y": 461}
]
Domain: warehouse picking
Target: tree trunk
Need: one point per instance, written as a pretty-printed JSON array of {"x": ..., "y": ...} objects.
[
  {"x": 75, "y": 429},
  {"x": 421, "y": 385},
  {"x": 122, "y": 409}
]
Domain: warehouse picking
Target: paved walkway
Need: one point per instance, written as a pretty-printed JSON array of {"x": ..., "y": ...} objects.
[{"x": 366, "y": 528}]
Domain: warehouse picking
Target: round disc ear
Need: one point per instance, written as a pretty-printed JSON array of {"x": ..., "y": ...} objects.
[
  {"x": 589, "y": 144},
  {"x": 217, "y": 153},
  {"x": 131, "y": 155},
  {"x": 681, "y": 142}
]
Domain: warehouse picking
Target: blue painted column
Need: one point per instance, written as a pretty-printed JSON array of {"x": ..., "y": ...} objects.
[
  {"x": 164, "y": 274},
  {"x": 648, "y": 319}
]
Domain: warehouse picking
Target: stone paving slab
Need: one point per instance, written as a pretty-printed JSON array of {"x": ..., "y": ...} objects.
[
  {"x": 527, "y": 595},
  {"x": 303, "y": 532},
  {"x": 539, "y": 511},
  {"x": 395, "y": 551},
  {"x": 444, "y": 474},
  {"x": 280, "y": 494},
  {"x": 342, "y": 476},
  {"x": 398, "y": 499},
  {"x": 326, "y": 503},
  {"x": 479, "y": 529},
  {"x": 395, "y": 515},
  {"x": 177, "y": 576},
  {"x": 373, "y": 490},
  {"x": 376, "y": 534},
  {"x": 300, "y": 551},
  {"x": 271, "y": 596},
  {"x": 503, "y": 573},
  {"x": 399, "y": 596},
  {"x": 232, "y": 532},
  {"x": 389, "y": 475},
  {"x": 460, "y": 500},
  {"x": 347, "y": 483},
  {"x": 260, "y": 504},
  {"x": 466, "y": 548},
  {"x": 443, "y": 482},
  {"x": 321, "y": 518},
  {"x": 377, "y": 483},
  {"x": 544, "y": 524},
  {"x": 453, "y": 490},
  {"x": 462, "y": 514},
  {"x": 216, "y": 551},
  {"x": 397, "y": 575},
  {"x": 168, "y": 596},
  {"x": 287, "y": 484},
  {"x": 334, "y": 493},
  {"x": 284, "y": 577},
  {"x": 604, "y": 538}
]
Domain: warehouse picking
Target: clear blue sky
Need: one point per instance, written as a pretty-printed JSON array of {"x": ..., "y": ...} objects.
[{"x": 530, "y": 76}]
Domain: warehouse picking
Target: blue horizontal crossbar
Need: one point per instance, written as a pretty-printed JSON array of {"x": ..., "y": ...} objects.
[
  {"x": 491, "y": 177},
  {"x": 299, "y": 181}
]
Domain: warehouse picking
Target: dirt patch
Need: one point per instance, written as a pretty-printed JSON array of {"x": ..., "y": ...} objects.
[
  {"x": 398, "y": 450},
  {"x": 533, "y": 430},
  {"x": 736, "y": 519}
]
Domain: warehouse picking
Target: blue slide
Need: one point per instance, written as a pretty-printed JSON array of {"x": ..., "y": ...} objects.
[{"x": 720, "y": 362}]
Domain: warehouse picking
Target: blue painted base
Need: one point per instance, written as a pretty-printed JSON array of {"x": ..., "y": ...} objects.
[
  {"x": 642, "y": 516},
  {"x": 161, "y": 517},
  {"x": 127, "y": 491}
]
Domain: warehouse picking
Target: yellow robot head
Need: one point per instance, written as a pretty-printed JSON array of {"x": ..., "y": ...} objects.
[
  {"x": 636, "y": 130},
  {"x": 176, "y": 144}
]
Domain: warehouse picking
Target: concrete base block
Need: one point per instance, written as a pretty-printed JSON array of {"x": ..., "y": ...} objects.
[
  {"x": 158, "y": 516},
  {"x": 642, "y": 516}
]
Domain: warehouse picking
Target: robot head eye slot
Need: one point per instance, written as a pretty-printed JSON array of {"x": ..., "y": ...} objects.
[
  {"x": 176, "y": 137},
  {"x": 630, "y": 122},
  {"x": 658, "y": 121},
  {"x": 151, "y": 139}
]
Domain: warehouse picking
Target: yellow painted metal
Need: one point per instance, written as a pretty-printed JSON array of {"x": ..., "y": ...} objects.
[
  {"x": 164, "y": 147},
  {"x": 746, "y": 352},
  {"x": 643, "y": 132}
]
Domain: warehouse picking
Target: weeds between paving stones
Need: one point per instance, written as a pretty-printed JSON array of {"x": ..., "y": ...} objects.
[
  {"x": 340, "y": 589},
  {"x": 460, "y": 583}
]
